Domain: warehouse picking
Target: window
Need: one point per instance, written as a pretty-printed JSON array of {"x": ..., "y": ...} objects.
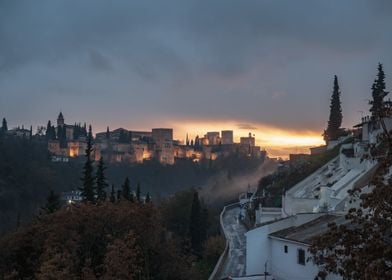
[
  {"x": 301, "y": 256},
  {"x": 286, "y": 249}
]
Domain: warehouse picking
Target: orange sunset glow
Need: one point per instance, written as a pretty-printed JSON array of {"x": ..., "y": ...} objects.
[{"x": 277, "y": 141}]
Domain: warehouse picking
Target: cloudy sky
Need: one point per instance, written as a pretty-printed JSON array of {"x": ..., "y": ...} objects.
[{"x": 260, "y": 66}]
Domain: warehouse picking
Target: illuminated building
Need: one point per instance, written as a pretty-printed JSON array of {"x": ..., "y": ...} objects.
[
  {"x": 213, "y": 138},
  {"x": 227, "y": 137}
]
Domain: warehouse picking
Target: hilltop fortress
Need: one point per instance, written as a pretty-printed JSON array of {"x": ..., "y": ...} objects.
[{"x": 121, "y": 145}]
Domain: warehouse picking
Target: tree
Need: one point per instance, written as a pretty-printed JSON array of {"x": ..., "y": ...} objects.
[
  {"x": 378, "y": 93},
  {"x": 379, "y": 107},
  {"x": 112, "y": 195},
  {"x": 101, "y": 181},
  {"x": 335, "y": 116},
  {"x": 138, "y": 192},
  {"x": 195, "y": 225},
  {"x": 148, "y": 198},
  {"x": 52, "y": 203},
  {"x": 361, "y": 248},
  {"x": 88, "y": 188},
  {"x": 126, "y": 189},
  {"x": 4, "y": 126},
  {"x": 50, "y": 131}
]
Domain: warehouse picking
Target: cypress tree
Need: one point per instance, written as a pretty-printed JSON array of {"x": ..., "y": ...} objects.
[
  {"x": 195, "y": 224},
  {"x": 132, "y": 197},
  {"x": 126, "y": 189},
  {"x": 4, "y": 126},
  {"x": 52, "y": 203},
  {"x": 138, "y": 192},
  {"x": 379, "y": 107},
  {"x": 101, "y": 181},
  {"x": 88, "y": 188},
  {"x": 112, "y": 195},
  {"x": 53, "y": 133},
  {"x": 148, "y": 198},
  {"x": 335, "y": 116},
  {"x": 378, "y": 94}
]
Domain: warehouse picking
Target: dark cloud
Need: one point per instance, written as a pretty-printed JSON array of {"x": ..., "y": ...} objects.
[
  {"x": 246, "y": 126},
  {"x": 250, "y": 61}
]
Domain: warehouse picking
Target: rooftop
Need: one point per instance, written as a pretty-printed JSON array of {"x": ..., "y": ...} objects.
[{"x": 306, "y": 232}]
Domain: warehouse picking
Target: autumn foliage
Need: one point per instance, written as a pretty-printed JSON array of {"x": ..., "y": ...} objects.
[
  {"x": 362, "y": 247},
  {"x": 105, "y": 241}
]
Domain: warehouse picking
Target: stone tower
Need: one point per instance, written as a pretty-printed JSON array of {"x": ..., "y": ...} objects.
[{"x": 60, "y": 119}]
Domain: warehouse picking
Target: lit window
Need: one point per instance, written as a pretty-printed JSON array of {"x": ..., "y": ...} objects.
[{"x": 301, "y": 256}]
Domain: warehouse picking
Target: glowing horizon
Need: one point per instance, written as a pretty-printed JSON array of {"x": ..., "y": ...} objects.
[{"x": 278, "y": 142}]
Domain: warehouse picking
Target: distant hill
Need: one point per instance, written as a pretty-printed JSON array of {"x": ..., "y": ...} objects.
[{"x": 27, "y": 175}]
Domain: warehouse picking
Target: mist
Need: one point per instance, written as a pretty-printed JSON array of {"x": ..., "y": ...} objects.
[{"x": 223, "y": 188}]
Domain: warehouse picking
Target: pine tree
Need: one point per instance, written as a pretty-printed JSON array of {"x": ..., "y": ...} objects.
[
  {"x": 112, "y": 195},
  {"x": 4, "y": 126},
  {"x": 335, "y": 116},
  {"x": 88, "y": 188},
  {"x": 138, "y": 192},
  {"x": 52, "y": 203},
  {"x": 195, "y": 224},
  {"x": 126, "y": 189},
  {"x": 31, "y": 132},
  {"x": 101, "y": 181}
]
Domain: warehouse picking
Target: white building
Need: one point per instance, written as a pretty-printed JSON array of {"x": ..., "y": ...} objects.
[{"x": 280, "y": 248}]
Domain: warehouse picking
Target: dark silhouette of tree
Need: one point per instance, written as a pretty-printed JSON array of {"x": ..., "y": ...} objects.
[
  {"x": 148, "y": 198},
  {"x": 52, "y": 203},
  {"x": 101, "y": 241},
  {"x": 195, "y": 224},
  {"x": 378, "y": 93},
  {"x": 101, "y": 181},
  {"x": 138, "y": 192},
  {"x": 379, "y": 107},
  {"x": 112, "y": 195},
  {"x": 31, "y": 132},
  {"x": 48, "y": 133},
  {"x": 4, "y": 126},
  {"x": 335, "y": 115},
  {"x": 126, "y": 189},
  {"x": 88, "y": 186}
]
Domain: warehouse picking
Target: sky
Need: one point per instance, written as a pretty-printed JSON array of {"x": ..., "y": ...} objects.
[{"x": 264, "y": 67}]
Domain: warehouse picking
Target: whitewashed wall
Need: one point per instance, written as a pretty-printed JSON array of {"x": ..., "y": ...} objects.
[{"x": 258, "y": 245}]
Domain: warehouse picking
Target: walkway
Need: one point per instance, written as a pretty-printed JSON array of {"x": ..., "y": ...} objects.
[{"x": 235, "y": 232}]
